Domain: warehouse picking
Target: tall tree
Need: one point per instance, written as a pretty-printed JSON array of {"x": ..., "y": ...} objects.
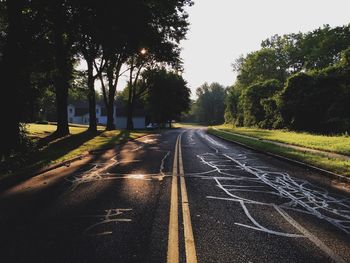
[
  {"x": 62, "y": 43},
  {"x": 136, "y": 64},
  {"x": 210, "y": 104},
  {"x": 14, "y": 67},
  {"x": 118, "y": 31},
  {"x": 280, "y": 58},
  {"x": 168, "y": 95},
  {"x": 262, "y": 65},
  {"x": 155, "y": 25},
  {"x": 88, "y": 45}
]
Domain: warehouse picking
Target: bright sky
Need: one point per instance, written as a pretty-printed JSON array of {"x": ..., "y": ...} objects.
[{"x": 221, "y": 30}]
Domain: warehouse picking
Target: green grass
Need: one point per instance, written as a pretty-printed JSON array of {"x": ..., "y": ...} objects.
[
  {"x": 37, "y": 131},
  {"x": 339, "y": 166},
  {"x": 55, "y": 150},
  {"x": 187, "y": 125},
  {"x": 78, "y": 142},
  {"x": 336, "y": 144}
]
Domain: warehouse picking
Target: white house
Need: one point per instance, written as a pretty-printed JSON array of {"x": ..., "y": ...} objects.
[
  {"x": 78, "y": 113},
  {"x": 139, "y": 118}
]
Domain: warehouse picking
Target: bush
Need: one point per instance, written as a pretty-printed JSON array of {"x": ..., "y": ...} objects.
[
  {"x": 258, "y": 108},
  {"x": 20, "y": 154},
  {"x": 317, "y": 101}
]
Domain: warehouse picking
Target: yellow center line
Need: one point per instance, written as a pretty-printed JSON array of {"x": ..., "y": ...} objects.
[
  {"x": 190, "y": 248},
  {"x": 173, "y": 237}
]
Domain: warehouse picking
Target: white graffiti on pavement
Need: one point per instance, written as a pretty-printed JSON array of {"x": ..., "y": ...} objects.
[{"x": 294, "y": 194}]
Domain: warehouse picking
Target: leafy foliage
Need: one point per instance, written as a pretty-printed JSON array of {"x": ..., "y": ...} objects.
[
  {"x": 210, "y": 104},
  {"x": 42, "y": 41},
  {"x": 255, "y": 105},
  {"x": 318, "y": 100},
  {"x": 168, "y": 95},
  {"x": 313, "y": 92}
]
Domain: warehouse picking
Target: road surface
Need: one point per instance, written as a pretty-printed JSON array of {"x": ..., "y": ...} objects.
[{"x": 178, "y": 196}]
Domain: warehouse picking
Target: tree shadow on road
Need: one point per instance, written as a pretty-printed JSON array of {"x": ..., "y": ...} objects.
[{"x": 52, "y": 148}]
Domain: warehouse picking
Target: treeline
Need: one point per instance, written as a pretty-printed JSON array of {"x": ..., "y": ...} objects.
[
  {"x": 209, "y": 107},
  {"x": 297, "y": 81},
  {"x": 42, "y": 43}
]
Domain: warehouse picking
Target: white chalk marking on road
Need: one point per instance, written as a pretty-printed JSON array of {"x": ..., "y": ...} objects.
[
  {"x": 238, "y": 200},
  {"x": 137, "y": 148},
  {"x": 310, "y": 236},
  {"x": 201, "y": 173},
  {"x": 98, "y": 172},
  {"x": 257, "y": 203},
  {"x": 190, "y": 137},
  {"x": 215, "y": 149},
  {"x": 301, "y": 195},
  {"x": 94, "y": 174},
  {"x": 316, "y": 202},
  {"x": 161, "y": 169},
  {"x": 110, "y": 216},
  {"x": 260, "y": 227},
  {"x": 212, "y": 140}
]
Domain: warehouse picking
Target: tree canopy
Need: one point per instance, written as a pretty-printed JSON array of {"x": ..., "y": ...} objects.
[
  {"x": 210, "y": 104},
  {"x": 168, "y": 95},
  {"x": 298, "y": 81},
  {"x": 43, "y": 42}
]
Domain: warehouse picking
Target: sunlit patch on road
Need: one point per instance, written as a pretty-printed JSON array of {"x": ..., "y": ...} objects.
[
  {"x": 100, "y": 172},
  {"x": 150, "y": 141}
]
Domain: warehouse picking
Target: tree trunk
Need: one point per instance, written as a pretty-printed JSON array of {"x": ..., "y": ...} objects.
[
  {"x": 110, "y": 104},
  {"x": 110, "y": 118},
  {"x": 130, "y": 109},
  {"x": 63, "y": 70},
  {"x": 12, "y": 66},
  {"x": 132, "y": 94},
  {"x": 129, "y": 122},
  {"x": 61, "y": 105},
  {"x": 91, "y": 96}
]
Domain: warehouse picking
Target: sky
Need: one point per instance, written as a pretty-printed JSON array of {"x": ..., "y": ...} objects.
[{"x": 222, "y": 30}]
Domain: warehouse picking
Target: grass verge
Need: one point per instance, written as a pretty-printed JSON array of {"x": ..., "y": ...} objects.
[
  {"x": 336, "y": 144},
  {"x": 53, "y": 150},
  {"x": 335, "y": 165},
  {"x": 40, "y": 131},
  {"x": 187, "y": 125}
]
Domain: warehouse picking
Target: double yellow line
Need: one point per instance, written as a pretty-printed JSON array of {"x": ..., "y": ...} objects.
[{"x": 173, "y": 237}]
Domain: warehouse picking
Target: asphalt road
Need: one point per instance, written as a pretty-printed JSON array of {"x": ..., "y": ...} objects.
[{"x": 178, "y": 196}]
